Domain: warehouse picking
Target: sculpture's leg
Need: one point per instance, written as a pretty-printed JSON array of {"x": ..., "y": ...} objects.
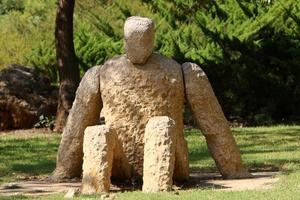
[
  {"x": 159, "y": 154},
  {"x": 121, "y": 168},
  {"x": 212, "y": 122},
  {"x": 85, "y": 112},
  {"x": 98, "y": 147},
  {"x": 181, "y": 171}
]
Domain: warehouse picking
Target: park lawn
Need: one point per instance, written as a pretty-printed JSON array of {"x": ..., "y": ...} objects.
[
  {"x": 263, "y": 149},
  {"x": 27, "y": 156}
]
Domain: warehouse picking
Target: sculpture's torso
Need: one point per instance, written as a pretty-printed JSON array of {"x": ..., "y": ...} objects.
[{"x": 131, "y": 95}]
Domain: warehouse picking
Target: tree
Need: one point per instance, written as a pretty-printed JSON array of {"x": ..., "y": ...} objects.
[{"x": 66, "y": 60}]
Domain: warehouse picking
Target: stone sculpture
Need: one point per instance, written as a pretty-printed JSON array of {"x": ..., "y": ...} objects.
[
  {"x": 134, "y": 89},
  {"x": 98, "y": 146},
  {"x": 159, "y": 154}
]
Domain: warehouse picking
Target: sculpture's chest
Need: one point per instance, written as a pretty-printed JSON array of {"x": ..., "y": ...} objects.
[{"x": 133, "y": 83}]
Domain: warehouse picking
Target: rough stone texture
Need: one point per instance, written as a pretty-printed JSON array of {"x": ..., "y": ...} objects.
[
  {"x": 131, "y": 95},
  {"x": 159, "y": 154},
  {"x": 212, "y": 122},
  {"x": 139, "y": 39},
  {"x": 134, "y": 93},
  {"x": 85, "y": 112},
  {"x": 98, "y": 146},
  {"x": 24, "y": 96}
]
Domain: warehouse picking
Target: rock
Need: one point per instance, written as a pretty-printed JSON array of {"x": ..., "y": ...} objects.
[
  {"x": 24, "y": 96},
  {"x": 139, "y": 39},
  {"x": 159, "y": 154},
  {"x": 98, "y": 146},
  {"x": 212, "y": 122},
  {"x": 73, "y": 192}
]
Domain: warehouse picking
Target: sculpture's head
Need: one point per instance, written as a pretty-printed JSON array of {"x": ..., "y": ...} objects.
[{"x": 139, "y": 39}]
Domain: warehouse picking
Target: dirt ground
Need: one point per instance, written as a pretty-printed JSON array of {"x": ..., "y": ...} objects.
[
  {"x": 27, "y": 132},
  {"x": 261, "y": 180}
]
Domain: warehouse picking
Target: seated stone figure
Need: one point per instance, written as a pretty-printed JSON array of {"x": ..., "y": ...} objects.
[{"x": 134, "y": 89}]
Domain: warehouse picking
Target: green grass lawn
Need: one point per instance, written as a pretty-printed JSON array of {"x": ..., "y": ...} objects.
[
  {"x": 22, "y": 157},
  {"x": 263, "y": 149}
]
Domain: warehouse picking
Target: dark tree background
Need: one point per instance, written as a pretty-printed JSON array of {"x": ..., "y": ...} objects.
[
  {"x": 249, "y": 49},
  {"x": 67, "y": 61}
]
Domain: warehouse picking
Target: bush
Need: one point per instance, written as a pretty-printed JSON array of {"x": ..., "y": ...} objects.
[
  {"x": 11, "y": 5},
  {"x": 249, "y": 49}
]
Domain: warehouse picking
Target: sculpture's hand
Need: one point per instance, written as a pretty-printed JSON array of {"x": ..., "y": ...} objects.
[{"x": 212, "y": 122}]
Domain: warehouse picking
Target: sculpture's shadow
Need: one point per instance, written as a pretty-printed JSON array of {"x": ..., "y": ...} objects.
[
  {"x": 196, "y": 181},
  {"x": 204, "y": 180}
]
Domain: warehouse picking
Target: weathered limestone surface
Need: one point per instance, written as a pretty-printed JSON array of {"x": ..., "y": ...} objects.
[
  {"x": 85, "y": 112},
  {"x": 139, "y": 39},
  {"x": 212, "y": 122},
  {"x": 134, "y": 88},
  {"x": 131, "y": 95},
  {"x": 159, "y": 154},
  {"x": 98, "y": 146}
]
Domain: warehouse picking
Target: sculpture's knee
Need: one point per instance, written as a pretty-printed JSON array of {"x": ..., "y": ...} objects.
[
  {"x": 98, "y": 145},
  {"x": 159, "y": 154}
]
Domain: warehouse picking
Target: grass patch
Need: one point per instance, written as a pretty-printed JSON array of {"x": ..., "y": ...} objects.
[
  {"x": 263, "y": 149},
  {"x": 24, "y": 157}
]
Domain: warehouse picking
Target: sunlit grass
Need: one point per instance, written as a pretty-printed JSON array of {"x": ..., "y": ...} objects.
[
  {"x": 22, "y": 157},
  {"x": 263, "y": 149}
]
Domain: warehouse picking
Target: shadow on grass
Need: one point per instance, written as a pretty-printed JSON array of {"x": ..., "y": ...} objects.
[
  {"x": 15, "y": 197},
  {"x": 41, "y": 167},
  {"x": 27, "y": 157},
  {"x": 199, "y": 154},
  {"x": 263, "y": 149},
  {"x": 284, "y": 131}
]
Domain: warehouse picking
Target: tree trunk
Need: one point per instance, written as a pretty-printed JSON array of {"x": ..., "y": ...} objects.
[{"x": 66, "y": 60}]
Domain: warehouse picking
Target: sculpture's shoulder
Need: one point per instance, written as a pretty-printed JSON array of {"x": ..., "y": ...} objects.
[
  {"x": 92, "y": 74},
  {"x": 114, "y": 63},
  {"x": 161, "y": 59},
  {"x": 94, "y": 70},
  {"x": 164, "y": 62},
  {"x": 192, "y": 68}
]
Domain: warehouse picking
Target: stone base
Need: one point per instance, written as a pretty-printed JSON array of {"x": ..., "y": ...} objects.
[
  {"x": 159, "y": 154},
  {"x": 98, "y": 146}
]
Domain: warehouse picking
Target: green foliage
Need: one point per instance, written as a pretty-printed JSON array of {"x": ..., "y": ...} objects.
[
  {"x": 254, "y": 62},
  {"x": 43, "y": 58},
  {"x": 91, "y": 52},
  {"x": 11, "y": 5},
  {"x": 23, "y": 32},
  {"x": 45, "y": 122},
  {"x": 250, "y": 49}
]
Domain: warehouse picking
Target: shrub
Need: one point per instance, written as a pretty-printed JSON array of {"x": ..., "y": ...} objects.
[{"x": 249, "y": 49}]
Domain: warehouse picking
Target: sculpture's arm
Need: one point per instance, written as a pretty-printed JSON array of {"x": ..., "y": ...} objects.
[
  {"x": 85, "y": 112},
  {"x": 212, "y": 122}
]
